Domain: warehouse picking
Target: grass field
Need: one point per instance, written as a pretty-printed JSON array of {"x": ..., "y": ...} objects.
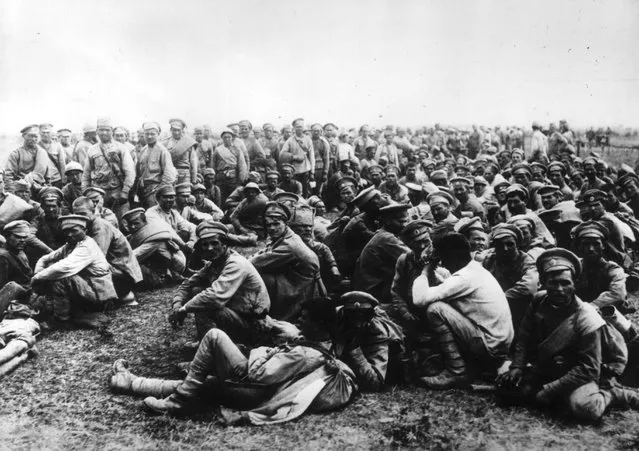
[{"x": 60, "y": 401}]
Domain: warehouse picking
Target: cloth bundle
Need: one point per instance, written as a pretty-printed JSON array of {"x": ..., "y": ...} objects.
[{"x": 18, "y": 334}]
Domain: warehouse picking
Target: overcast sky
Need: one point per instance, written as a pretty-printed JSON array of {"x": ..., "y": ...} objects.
[{"x": 350, "y": 62}]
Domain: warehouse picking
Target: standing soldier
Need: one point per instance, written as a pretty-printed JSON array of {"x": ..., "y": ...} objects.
[
  {"x": 183, "y": 153},
  {"x": 229, "y": 165},
  {"x": 28, "y": 158},
  {"x": 155, "y": 167},
  {"x": 204, "y": 150},
  {"x": 109, "y": 166},
  {"x": 298, "y": 151},
  {"x": 269, "y": 142},
  {"x": 89, "y": 138},
  {"x": 64, "y": 135},
  {"x": 55, "y": 155},
  {"x": 254, "y": 148},
  {"x": 322, "y": 157}
]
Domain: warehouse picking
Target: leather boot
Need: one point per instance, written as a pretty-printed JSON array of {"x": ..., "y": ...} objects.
[{"x": 185, "y": 396}]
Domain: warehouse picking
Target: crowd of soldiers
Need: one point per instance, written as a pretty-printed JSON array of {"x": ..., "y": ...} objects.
[{"x": 437, "y": 256}]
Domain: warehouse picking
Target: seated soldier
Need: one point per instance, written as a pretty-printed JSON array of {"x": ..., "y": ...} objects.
[
  {"x": 440, "y": 203},
  {"x": 227, "y": 293},
  {"x": 529, "y": 244},
  {"x": 75, "y": 280},
  {"x": 15, "y": 271},
  {"x": 392, "y": 188},
  {"x": 565, "y": 354},
  {"x": 468, "y": 314},
  {"x": 247, "y": 217},
  {"x": 97, "y": 196},
  {"x": 23, "y": 189},
  {"x": 288, "y": 183},
  {"x": 420, "y": 207},
  {"x": 473, "y": 230},
  {"x": 238, "y": 193},
  {"x": 302, "y": 224},
  {"x": 47, "y": 235},
  {"x": 358, "y": 231},
  {"x": 513, "y": 269},
  {"x": 166, "y": 212},
  {"x": 157, "y": 247},
  {"x": 320, "y": 222},
  {"x": 219, "y": 368},
  {"x": 73, "y": 189},
  {"x": 601, "y": 282},
  {"x": 619, "y": 234},
  {"x": 368, "y": 341},
  {"x": 516, "y": 200},
  {"x": 204, "y": 205},
  {"x": 375, "y": 268},
  {"x": 468, "y": 205},
  {"x": 191, "y": 214},
  {"x": 125, "y": 269},
  {"x": 551, "y": 195},
  {"x": 289, "y": 268},
  {"x": 416, "y": 235},
  {"x": 272, "y": 181}
]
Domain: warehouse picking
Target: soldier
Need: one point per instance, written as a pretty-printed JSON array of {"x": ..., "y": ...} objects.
[
  {"x": 398, "y": 193},
  {"x": 125, "y": 269},
  {"x": 289, "y": 268},
  {"x": 468, "y": 204},
  {"x": 440, "y": 202},
  {"x": 560, "y": 355},
  {"x": 229, "y": 165},
  {"x": 248, "y": 216},
  {"x": 322, "y": 151},
  {"x": 14, "y": 265},
  {"x": 203, "y": 149},
  {"x": 557, "y": 176},
  {"x": 109, "y": 166},
  {"x": 56, "y": 156},
  {"x": 73, "y": 189},
  {"x": 181, "y": 147},
  {"x": 28, "y": 158},
  {"x": 601, "y": 282},
  {"x": 89, "y": 138},
  {"x": 257, "y": 158},
  {"x": 75, "y": 279},
  {"x": 272, "y": 188},
  {"x": 375, "y": 268},
  {"x": 513, "y": 269},
  {"x": 64, "y": 135},
  {"x": 298, "y": 152},
  {"x": 205, "y": 205},
  {"x": 155, "y": 166},
  {"x": 165, "y": 211},
  {"x": 47, "y": 225},
  {"x": 468, "y": 314},
  {"x": 157, "y": 247},
  {"x": 289, "y": 183},
  {"x": 227, "y": 293},
  {"x": 96, "y": 195}
]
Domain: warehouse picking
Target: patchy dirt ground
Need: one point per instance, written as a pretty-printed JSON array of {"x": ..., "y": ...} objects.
[{"x": 60, "y": 400}]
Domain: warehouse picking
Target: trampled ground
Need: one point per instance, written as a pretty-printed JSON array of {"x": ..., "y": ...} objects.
[{"x": 60, "y": 400}]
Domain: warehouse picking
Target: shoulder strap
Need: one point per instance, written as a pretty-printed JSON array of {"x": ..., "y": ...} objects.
[{"x": 113, "y": 168}]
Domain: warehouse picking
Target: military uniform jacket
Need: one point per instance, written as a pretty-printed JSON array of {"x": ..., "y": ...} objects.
[
  {"x": 375, "y": 269},
  {"x": 231, "y": 282},
  {"x": 290, "y": 270},
  {"x": 14, "y": 267},
  {"x": 601, "y": 284},
  {"x": 116, "y": 248}
]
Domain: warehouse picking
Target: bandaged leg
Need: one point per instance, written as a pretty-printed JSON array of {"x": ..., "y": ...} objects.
[{"x": 125, "y": 382}]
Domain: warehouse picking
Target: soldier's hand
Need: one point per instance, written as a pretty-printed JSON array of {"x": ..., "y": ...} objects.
[
  {"x": 177, "y": 317},
  {"x": 510, "y": 379}
]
